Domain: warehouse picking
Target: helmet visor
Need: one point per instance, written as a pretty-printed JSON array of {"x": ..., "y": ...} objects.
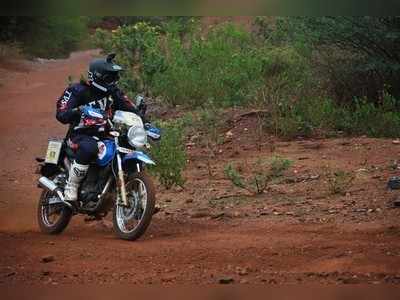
[{"x": 110, "y": 77}]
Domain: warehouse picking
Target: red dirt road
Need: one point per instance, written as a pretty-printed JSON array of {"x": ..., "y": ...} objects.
[{"x": 295, "y": 233}]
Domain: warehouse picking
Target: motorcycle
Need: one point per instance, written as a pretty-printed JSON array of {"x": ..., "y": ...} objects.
[{"x": 115, "y": 182}]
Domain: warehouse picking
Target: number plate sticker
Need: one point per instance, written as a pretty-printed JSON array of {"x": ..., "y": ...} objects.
[{"x": 53, "y": 152}]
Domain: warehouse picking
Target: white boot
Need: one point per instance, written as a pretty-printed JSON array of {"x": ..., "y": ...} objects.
[{"x": 76, "y": 175}]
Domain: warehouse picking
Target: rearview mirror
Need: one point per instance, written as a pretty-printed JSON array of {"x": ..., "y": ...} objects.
[{"x": 139, "y": 101}]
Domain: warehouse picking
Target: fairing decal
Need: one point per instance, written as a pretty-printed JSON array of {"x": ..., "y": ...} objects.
[{"x": 139, "y": 156}]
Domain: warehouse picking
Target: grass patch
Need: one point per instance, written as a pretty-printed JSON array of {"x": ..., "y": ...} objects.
[
  {"x": 339, "y": 182},
  {"x": 262, "y": 173}
]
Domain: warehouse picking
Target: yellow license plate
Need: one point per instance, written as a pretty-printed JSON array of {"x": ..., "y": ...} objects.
[{"x": 53, "y": 152}]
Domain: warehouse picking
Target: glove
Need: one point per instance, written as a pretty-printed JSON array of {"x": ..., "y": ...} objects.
[
  {"x": 93, "y": 113},
  {"x": 93, "y": 116}
]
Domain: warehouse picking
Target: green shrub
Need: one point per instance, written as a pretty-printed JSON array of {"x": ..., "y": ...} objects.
[
  {"x": 233, "y": 175},
  {"x": 54, "y": 36},
  {"x": 315, "y": 115},
  {"x": 288, "y": 93},
  {"x": 356, "y": 55},
  {"x": 222, "y": 68},
  {"x": 209, "y": 122},
  {"x": 262, "y": 173},
  {"x": 138, "y": 50},
  {"x": 45, "y": 36},
  {"x": 276, "y": 69},
  {"x": 304, "y": 117},
  {"x": 339, "y": 182},
  {"x": 382, "y": 120},
  {"x": 170, "y": 156},
  {"x": 278, "y": 165},
  {"x": 366, "y": 118}
]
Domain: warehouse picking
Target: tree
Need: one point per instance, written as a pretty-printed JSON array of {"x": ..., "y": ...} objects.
[{"x": 361, "y": 53}]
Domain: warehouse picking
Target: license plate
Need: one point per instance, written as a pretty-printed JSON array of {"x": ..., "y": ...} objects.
[{"x": 53, "y": 152}]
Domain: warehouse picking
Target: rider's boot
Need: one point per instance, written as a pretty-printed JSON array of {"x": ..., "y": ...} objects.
[{"x": 77, "y": 173}]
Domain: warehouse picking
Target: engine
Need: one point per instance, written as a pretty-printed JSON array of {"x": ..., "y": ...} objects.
[{"x": 94, "y": 183}]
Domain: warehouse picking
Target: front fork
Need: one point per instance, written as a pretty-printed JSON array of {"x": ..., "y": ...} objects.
[{"x": 121, "y": 179}]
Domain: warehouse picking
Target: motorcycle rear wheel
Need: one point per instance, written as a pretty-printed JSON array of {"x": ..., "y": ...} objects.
[
  {"x": 43, "y": 215},
  {"x": 141, "y": 210}
]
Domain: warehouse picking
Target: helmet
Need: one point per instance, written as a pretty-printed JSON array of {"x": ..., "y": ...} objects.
[{"x": 104, "y": 73}]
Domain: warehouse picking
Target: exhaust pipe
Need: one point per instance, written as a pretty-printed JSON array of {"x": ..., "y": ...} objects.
[{"x": 49, "y": 185}]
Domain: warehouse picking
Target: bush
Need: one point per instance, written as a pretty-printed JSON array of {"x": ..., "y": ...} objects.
[
  {"x": 305, "y": 117},
  {"x": 322, "y": 116},
  {"x": 223, "y": 68},
  {"x": 138, "y": 50},
  {"x": 263, "y": 172},
  {"x": 280, "y": 68},
  {"x": 278, "y": 166},
  {"x": 170, "y": 156},
  {"x": 357, "y": 55},
  {"x": 46, "y": 37},
  {"x": 339, "y": 182},
  {"x": 54, "y": 37},
  {"x": 375, "y": 120}
]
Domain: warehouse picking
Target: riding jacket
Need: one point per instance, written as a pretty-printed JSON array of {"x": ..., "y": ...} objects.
[{"x": 82, "y": 93}]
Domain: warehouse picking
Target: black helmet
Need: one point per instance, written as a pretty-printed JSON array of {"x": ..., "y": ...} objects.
[{"x": 104, "y": 73}]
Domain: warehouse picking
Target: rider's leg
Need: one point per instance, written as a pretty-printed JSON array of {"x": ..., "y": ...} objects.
[{"x": 87, "y": 152}]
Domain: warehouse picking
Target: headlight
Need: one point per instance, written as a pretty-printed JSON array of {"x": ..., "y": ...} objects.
[{"x": 137, "y": 137}]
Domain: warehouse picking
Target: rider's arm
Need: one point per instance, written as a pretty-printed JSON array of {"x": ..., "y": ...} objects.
[
  {"x": 67, "y": 105},
  {"x": 122, "y": 102}
]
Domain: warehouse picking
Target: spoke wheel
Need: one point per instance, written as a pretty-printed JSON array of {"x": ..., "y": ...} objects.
[
  {"x": 54, "y": 218},
  {"x": 132, "y": 221}
]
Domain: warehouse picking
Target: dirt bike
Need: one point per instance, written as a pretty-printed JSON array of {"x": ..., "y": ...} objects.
[{"x": 115, "y": 182}]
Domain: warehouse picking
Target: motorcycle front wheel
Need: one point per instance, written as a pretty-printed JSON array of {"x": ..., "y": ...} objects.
[{"x": 131, "y": 222}]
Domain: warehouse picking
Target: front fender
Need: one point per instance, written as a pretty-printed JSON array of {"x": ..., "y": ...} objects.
[{"x": 140, "y": 156}]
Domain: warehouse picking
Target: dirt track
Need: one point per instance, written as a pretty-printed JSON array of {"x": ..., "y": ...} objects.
[{"x": 297, "y": 232}]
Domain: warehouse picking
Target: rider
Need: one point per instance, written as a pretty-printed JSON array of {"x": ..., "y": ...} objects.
[{"x": 99, "y": 92}]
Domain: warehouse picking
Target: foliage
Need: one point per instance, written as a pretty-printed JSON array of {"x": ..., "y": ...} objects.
[
  {"x": 288, "y": 76},
  {"x": 339, "y": 182},
  {"x": 278, "y": 165},
  {"x": 376, "y": 120},
  {"x": 319, "y": 115},
  {"x": 304, "y": 117},
  {"x": 223, "y": 68},
  {"x": 233, "y": 175},
  {"x": 209, "y": 121},
  {"x": 10, "y": 51},
  {"x": 170, "y": 156},
  {"x": 138, "y": 49},
  {"x": 358, "y": 54},
  {"x": 112, "y": 22},
  {"x": 314, "y": 75},
  {"x": 263, "y": 172},
  {"x": 47, "y": 37}
]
